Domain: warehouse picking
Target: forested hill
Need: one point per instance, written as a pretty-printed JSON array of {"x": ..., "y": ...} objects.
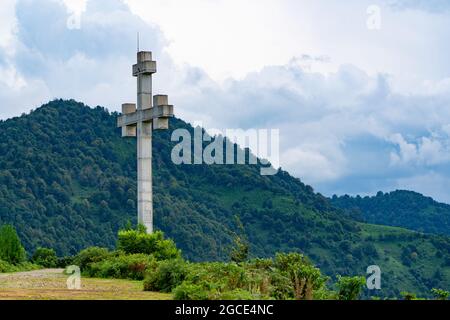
[
  {"x": 68, "y": 181},
  {"x": 399, "y": 208}
]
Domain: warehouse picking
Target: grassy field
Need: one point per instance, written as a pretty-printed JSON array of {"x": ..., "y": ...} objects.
[{"x": 50, "y": 284}]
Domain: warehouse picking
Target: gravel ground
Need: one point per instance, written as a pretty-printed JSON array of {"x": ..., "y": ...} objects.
[{"x": 51, "y": 284}]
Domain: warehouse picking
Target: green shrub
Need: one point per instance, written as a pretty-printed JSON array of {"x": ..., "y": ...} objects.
[
  {"x": 138, "y": 241},
  {"x": 45, "y": 257},
  {"x": 281, "y": 286},
  {"x": 216, "y": 279},
  {"x": 5, "y": 266},
  {"x": 408, "y": 295},
  {"x": 225, "y": 276},
  {"x": 256, "y": 279},
  {"x": 350, "y": 287},
  {"x": 189, "y": 291},
  {"x": 167, "y": 249},
  {"x": 305, "y": 278},
  {"x": 90, "y": 255},
  {"x": 239, "y": 251},
  {"x": 123, "y": 266},
  {"x": 262, "y": 264},
  {"x": 11, "y": 249},
  {"x": 23, "y": 266},
  {"x": 440, "y": 294},
  {"x": 289, "y": 261},
  {"x": 63, "y": 262},
  {"x": 270, "y": 281},
  {"x": 168, "y": 275},
  {"x": 236, "y": 294},
  {"x": 134, "y": 241},
  {"x": 26, "y": 266}
]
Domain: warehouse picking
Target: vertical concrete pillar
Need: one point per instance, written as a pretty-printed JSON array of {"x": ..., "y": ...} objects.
[
  {"x": 144, "y": 143},
  {"x": 144, "y": 169},
  {"x": 137, "y": 121}
]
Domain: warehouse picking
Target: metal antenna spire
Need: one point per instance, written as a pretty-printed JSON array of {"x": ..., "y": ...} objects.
[{"x": 138, "y": 41}]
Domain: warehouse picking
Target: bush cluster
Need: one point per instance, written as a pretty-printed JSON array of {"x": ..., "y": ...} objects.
[
  {"x": 138, "y": 241},
  {"x": 289, "y": 276},
  {"x": 158, "y": 262},
  {"x": 122, "y": 266},
  {"x": 91, "y": 255},
  {"x": 6, "y": 267},
  {"x": 168, "y": 275},
  {"x": 138, "y": 255},
  {"x": 11, "y": 249},
  {"x": 45, "y": 257}
]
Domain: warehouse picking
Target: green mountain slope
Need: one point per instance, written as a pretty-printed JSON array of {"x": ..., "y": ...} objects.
[
  {"x": 67, "y": 181},
  {"x": 399, "y": 208}
]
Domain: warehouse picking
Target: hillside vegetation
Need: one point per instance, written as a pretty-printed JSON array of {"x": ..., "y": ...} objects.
[
  {"x": 68, "y": 181},
  {"x": 156, "y": 265},
  {"x": 399, "y": 208}
]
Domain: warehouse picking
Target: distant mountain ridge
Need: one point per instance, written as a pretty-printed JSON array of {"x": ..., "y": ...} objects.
[
  {"x": 399, "y": 208},
  {"x": 68, "y": 181}
]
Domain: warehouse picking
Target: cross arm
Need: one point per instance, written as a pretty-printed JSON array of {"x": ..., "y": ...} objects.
[
  {"x": 144, "y": 67},
  {"x": 163, "y": 111}
]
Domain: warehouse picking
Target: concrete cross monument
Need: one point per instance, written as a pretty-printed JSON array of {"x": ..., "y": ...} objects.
[{"x": 139, "y": 122}]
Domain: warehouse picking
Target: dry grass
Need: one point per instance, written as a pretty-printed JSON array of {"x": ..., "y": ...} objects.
[{"x": 50, "y": 284}]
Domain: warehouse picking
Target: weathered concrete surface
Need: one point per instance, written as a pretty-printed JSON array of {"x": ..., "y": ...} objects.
[{"x": 139, "y": 121}]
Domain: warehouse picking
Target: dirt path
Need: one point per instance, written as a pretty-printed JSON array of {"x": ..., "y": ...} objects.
[
  {"x": 52, "y": 284},
  {"x": 43, "y": 273}
]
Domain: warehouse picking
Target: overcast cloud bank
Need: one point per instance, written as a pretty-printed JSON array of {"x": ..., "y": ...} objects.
[{"x": 345, "y": 131}]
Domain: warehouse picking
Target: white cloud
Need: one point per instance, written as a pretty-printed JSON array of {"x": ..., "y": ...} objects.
[
  {"x": 7, "y": 25},
  {"x": 345, "y": 126},
  {"x": 76, "y": 6},
  {"x": 427, "y": 151},
  {"x": 312, "y": 165},
  {"x": 434, "y": 6},
  {"x": 91, "y": 64},
  {"x": 333, "y": 128},
  {"x": 232, "y": 38}
]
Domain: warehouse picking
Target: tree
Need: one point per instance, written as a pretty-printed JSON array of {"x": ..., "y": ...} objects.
[
  {"x": 45, "y": 257},
  {"x": 11, "y": 249},
  {"x": 239, "y": 252},
  {"x": 90, "y": 255},
  {"x": 440, "y": 294},
  {"x": 350, "y": 287},
  {"x": 408, "y": 295},
  {"x": 138, "y": 241},
  {"x": 305, "y": 278},
  {"x": 169, "y": 274}
]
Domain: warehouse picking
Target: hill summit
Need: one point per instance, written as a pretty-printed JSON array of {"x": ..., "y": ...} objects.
[{"x": 400, "y": 208}]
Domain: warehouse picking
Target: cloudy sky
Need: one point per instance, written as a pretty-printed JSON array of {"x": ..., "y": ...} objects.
[{"x": 360, "y": 90}]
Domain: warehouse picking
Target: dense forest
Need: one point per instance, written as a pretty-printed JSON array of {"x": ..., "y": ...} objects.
[
  {"x": 68, "y": 181},
  {"x": 399, "y": 208}
]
